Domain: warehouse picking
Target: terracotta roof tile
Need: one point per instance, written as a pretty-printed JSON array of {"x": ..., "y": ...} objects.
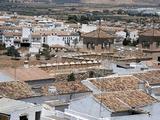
[
  {"x": 13, "y": 34},
  {"x": 98, "y": 34},
  {"x": 15, "y": 90},
  {"x": 117, "y": 83},
  {"x": 153, "y": 77},
  {"x": 150, "y": 32},
  {"x": 67, "y": 87},
  {"x": 125, "y": 100}
]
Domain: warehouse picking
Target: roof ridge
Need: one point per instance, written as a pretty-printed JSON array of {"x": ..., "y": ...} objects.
[{"x": 123, "y": 103}]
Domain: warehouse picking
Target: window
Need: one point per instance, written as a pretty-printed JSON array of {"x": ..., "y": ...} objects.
[
  {"x": 145, "y": 45},
  {"x": 159, "y": 59},
  {"x": 44, "y": 40},
  {"x": 24, "y": 117},
  {"x": 158, "y": 44},
  {"x": 38, "y": 115}
]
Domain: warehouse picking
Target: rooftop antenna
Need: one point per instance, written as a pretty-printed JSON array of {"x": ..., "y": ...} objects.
[
  {"x": 98, "y": 32},
  {"x": 98, "y": 75}
]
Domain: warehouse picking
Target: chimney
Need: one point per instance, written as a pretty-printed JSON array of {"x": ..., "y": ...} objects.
[
  {"x": 52, "y": 89},
  {"x": 144, "y": 86},
  {"x": 26, "y": 65}
]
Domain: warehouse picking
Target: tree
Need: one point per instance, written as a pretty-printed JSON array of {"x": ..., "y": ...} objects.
[
  {"x": 135, "y": 42},
  {"x": 45, "y": 46},
  {"x": 11, "y": 51},
  {"x": 28, "y": 56},
  {"x": 126, "y": 42},
  {"x": 2, "y": 46},
  {"x": 73, "y": 18},
  {"x": 71, "y": 77},
  {"x": 46, "y": 52},
  {"x": 75, "y": 42},
  {"x": 84, "y": 19},
  {"x": 38, "y": 56},
  {"x": 91, "y": 74},
  {"x": 47, "y": 55}
]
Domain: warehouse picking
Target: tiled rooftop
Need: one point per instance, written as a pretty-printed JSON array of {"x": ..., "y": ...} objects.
[
  {"x": 153, "y": 77},
  {"x": 10, "y": 28},
  {"x": 151, "y": 32},
  {"x": 98, "y": 34},
  {"x": 128, "y": 54},
  {"x": 125, "y": 100},
  {"x": 120, "y": 83},
  {"x": 15, "y": 90},
  {"x": 67, "y": 87}
]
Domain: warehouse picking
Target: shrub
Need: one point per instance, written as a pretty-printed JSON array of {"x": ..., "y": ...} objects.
[
  {"x": 126, "y": 42},
  {"x": 11, "y": 51},
  {"x": 71, "y": 77},
  {"x": 38, "y": 56}
]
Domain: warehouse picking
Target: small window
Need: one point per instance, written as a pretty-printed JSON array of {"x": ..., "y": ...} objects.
[
  {"x": 159, "y": 59},
  {"x": 158, "y": 44},
  {"x": 146, "y": 45},
  {"x": 38, "y": 115},
  {"x": 24, "y": 117},
  {"x": 44, "y": 40}
]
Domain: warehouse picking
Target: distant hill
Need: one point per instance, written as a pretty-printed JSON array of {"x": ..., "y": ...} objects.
[
  {"x": 121, "y": 1},
  {"x": 99, "y": 1},
  {"x": 109, "y": 1},
  {"x": 67, "y": 1}
]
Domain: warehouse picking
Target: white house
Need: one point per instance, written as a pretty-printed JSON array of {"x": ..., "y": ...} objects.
[
  {"x": 134, "y": 35},
  {"x": 12, "y": 39},
  {"x": 18, "y": 110},
  {"x": 60, "y": 37},
  {"x": 112, "y": 104},
  {"x": 88, "y": 28},
  {"x": 26, "y": 33},
  {"x": 88, "y": 106},
  {"x": 121, "y": 35},
  {"x": 36, "y": 43}
]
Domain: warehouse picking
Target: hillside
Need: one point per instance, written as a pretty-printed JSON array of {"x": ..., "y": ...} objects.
[
  {"x": 121, "y": 1},
  {"x": 99, "y": 1}
]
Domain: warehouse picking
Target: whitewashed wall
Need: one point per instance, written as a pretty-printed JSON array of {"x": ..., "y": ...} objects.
[
  {"x": 88, "y": 105},
  {"x": 30, "y": 112}
]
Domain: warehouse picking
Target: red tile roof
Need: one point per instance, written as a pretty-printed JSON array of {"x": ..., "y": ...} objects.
[
  {"x": 67, "y": 87},
  {"x": 125, "y": 100},
  {"x": 120, "y": 83},
  {"x": 153, "y": 77},
  {"x": 15, "y": 90},
  {"x": 150, "y": 32},
  {"x": 98, "y": 34}
]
